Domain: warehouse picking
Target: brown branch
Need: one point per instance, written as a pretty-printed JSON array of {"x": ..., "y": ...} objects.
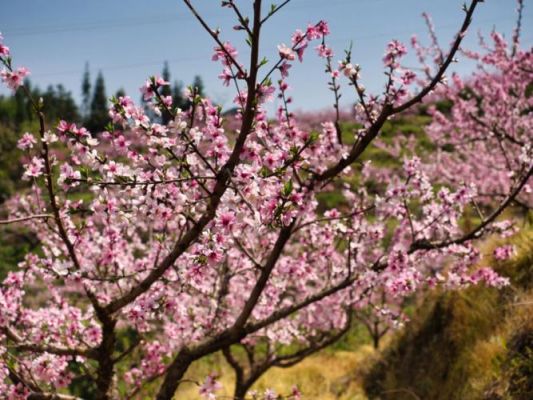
[
  {"x": 181, "y": 362},
  {"x": 474, "y": 234},
  {"x": 444, "y": 66},
  {"x": 270, "y": 14},
  {"x": 389, "y": 110},
  {"x": 141, "y": 183},
  {"x": 22, "y": 219},
  {"x": 283, "y": 237},
  {"x": 214, "y": 35},
  {"x": 222, "y": 181},
  {"x": 290, "y": 360},
  {"x": 243, "y": 21},
  {"x": 243, "y": 249}
]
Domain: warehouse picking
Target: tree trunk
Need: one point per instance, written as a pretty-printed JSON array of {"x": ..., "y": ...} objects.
[
  {"x": 174, "y": 376},
  {"x": 375, "y": 339},
  {"x": 241, "y": 388},
  {"x": 244, "y": 384},
  {"x": 105, "y": 372},
  {"x": 376, "y": 335}
]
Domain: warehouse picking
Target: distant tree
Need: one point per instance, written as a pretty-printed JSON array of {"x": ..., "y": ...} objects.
[
  {"x": 86, "y": 91},
  {"x": 22, "y": 112},
  {"x": 98, "y": 117},
  {"x": 120, "y": 93},
  {"x": 10, "y": 170},
  {"x": 198, "y": 88},
  {"x": 198, "y": 84},
  {"x": 177, "y": 95},
  {"x": 165, "y": 74},
  {"x": 58, "y": 103},
  {"x": 166, "y": 91},
  {"x": 6, "y": 110}
]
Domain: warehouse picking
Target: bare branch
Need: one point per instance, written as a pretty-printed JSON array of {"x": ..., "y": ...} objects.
[
  {"x": 22, "y": 219},
  {"x": 444, "y": 66},
  {"x": 215, "y": 36}
]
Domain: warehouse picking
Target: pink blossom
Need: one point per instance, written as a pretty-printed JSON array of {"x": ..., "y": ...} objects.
[
  {"x": 35, "y": 168},
  {"x": 167, "y": 101},
  {"x": 227, "y": 220},
  {"x": 312, "y": 32},
  {"x": 408, "y": 77},
  {"x": 503, "y": 252},
  {"x": 284, "y": 69},
  {"x": 26, "y": 141},
  {"x": 323, "y": 28},
  {"x": 14, "y": 79},
  {"x": 209, "y": 387},
  {"x": 265, "y": 93},
  {"x": 298, "y": 38},
  {"x": 286, "y": 53},
  {"x": 490, "y": 278},
  {"x": 147, "y": 90},
  {"x": 270, "y": 394},
  {"x": 324, "y": 51},
  {"x": 226, "y": 77},
  {"x": 349, "y": 70},
  {"x": 295, "y": 393},
  {"x": 65, "y": 127},
  {"x": 395, "y": 50},
  {"x": 4, "y": 50},
  {"x": 93, "y": 334},
  {"x": 300, "y": 52},
  {"x": 225, "y": 54}
]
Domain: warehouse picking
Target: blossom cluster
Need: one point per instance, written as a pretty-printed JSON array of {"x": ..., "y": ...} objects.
[
  {"x": 12, "y": 78},
  {"x": 191, "y": 237}
]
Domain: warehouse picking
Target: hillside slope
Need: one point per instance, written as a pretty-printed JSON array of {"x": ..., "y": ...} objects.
[{"x": 471, "y": 344}]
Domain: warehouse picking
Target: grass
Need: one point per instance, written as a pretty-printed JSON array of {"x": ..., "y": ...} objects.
[{"x": 329, "y": 375}]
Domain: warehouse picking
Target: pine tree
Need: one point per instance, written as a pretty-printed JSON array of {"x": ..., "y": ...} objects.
[
  {"x": 98, "y": 117},
  {"x": 198, "y": 88},
  {"x": 177, "y": 95},
  {"x": 22, "y": 108},
  {"x": 165, "y": 74},
  {"x": 86, "y": 91},
  {"x": 198, "y": 83},
  {"x": 166, "y": 91},
  {"x": 120, "y": 93},
  {"x": 59, "y": 104}
]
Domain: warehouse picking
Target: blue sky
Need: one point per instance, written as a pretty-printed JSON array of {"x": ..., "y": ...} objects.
[{"x": 129, "y": 40}]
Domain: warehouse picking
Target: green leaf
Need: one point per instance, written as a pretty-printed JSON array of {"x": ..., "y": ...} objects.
[
  {"x": 294, "y": 150},
  {"x": 264, "y": 171},
  {"x": 287, "y": 189},
  {"x": 264, "y": 61}
]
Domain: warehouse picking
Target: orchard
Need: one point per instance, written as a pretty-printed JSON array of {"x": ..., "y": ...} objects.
[{"x": 162, "y": 244}]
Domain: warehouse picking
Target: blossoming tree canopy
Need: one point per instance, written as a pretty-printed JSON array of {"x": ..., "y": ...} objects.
[{"x": 192, "y": 237}]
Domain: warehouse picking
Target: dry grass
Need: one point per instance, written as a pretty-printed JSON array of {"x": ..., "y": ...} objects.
[
  {"x": 325, "y": 376},
  {"x": 467, "y": 345}
]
